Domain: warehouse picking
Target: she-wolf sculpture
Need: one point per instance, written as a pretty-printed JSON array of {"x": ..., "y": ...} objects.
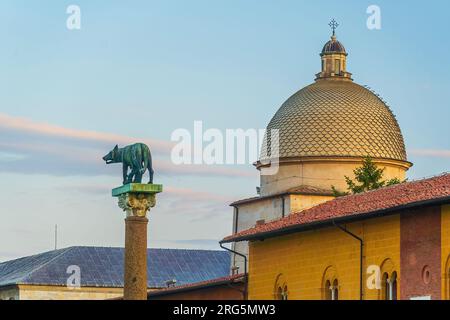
[{"x": 136, "y": 157}]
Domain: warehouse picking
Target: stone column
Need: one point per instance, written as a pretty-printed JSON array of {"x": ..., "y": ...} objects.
[{"x": 136, "y": 200}]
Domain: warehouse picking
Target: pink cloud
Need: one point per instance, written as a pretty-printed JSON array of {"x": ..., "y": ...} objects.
[
  {"x": 435, "y": 153},
  {"x": 71, "y": 155},
  {"x": 25, "y": 125},
  {"x": 196, "y": 195}
]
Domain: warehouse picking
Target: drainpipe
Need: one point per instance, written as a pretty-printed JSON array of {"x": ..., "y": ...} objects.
[
  {"x": 236, "y": 226},
  {"x": 245, "y": 268},
  {"x": 360, "y": 257}
]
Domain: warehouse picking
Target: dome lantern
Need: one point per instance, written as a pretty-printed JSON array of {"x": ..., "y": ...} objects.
[{"x": 334, "y": 58}]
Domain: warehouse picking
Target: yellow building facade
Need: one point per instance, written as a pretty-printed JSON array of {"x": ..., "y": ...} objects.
[
  {"x": 315, "y": 254},
  {"x": 304, "y": 262},
  {"x": 41, "y": 292}
]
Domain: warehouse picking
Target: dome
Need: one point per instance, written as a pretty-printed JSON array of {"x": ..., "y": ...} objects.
[
  {"x": 333, "y": 46},
  {"x": 336, "y": 118}
]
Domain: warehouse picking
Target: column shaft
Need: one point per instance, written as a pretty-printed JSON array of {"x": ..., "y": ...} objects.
[{"x": 135, "y": 277}]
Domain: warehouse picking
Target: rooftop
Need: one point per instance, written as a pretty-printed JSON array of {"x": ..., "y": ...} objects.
[
  {"x": 354, "y": 207},
  {"x": 237, "y": 278},
  {"x": 103, "y": 267}
]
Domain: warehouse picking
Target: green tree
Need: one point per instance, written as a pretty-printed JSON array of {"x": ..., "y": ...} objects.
[{"x": 367, "y": 177}]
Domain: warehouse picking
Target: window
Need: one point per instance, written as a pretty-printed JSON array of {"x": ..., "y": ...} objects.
[
  {"x": 282, "y": 293},
  {"x": 389, "y": 286},
  {"x": 337, "y": 66},
  {"x": 281, "y": 289},
  {"x": 393, "y": 286},
  {"x": 335, "y": 290},
  {"x": 330, "y": 284},
  {"x": 332, "y": 290},
  {"x": 327, "y": 290}
]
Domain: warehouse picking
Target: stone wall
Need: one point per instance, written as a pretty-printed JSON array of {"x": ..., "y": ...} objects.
[{"x": 29, "y": 292}]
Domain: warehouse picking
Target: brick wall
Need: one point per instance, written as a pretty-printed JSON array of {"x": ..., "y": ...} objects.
[{"x": 420, "y": 256}]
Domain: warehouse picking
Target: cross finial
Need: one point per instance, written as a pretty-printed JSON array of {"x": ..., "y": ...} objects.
[{"x": 333, "y": 25}]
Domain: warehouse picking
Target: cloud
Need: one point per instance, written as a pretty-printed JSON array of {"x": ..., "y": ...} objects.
[
  {"x": 26, "y": 126},
  {"x": 194, "y": 204},
  {"x": 434, "y": 153},
  {"x": 39, "y": 148},
  {"x": 196, "y": 195},
  {"x": 171, "y": 193}
]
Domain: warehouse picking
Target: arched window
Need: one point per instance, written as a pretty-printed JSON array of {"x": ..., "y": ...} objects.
[
  {"x": 389, "y": 286},
  {"x": 393, "y": 286},
  {"x": 385, "y": 286},
  {"x": 388, "y": 280},
  {"x": 332, "y": 290},
  {"x": 282, "y": 293},
  {"x": 335, "y": 290},
  {"x": 330, "y": 284},
  {"x": 281, "y": 288},
  {"x": 327, "y": 290}
]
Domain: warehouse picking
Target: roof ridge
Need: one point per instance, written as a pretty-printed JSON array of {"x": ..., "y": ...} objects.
[
  {"x": 63, "y": 251},
  {"x": 122, "y": 248},
  {"x": 419, "y": 180},
  {"x": 181, "y": 249}
]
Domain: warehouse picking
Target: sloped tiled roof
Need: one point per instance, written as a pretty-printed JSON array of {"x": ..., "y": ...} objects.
[
  {"x": 237, "y": 278},
  {"x": 103, "y": 267},
  {"x": 356, "y": 206}
]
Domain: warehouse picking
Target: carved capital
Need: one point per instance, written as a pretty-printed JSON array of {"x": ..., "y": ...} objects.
[{"x": 136, "y": 204}]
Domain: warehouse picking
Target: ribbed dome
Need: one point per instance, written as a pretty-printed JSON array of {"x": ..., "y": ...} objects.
[
  {"x": 336, "y": 118},
  {"x": 333, "y": 46}
]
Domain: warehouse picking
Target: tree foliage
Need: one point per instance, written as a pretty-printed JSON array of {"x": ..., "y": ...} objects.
[{"x": 367, "y": 177}]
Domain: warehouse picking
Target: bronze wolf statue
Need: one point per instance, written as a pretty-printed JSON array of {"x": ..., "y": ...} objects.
[{"x": 137, "y": 157}]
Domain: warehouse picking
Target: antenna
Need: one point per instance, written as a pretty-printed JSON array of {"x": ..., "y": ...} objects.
[{"x": 56, "y": 236}]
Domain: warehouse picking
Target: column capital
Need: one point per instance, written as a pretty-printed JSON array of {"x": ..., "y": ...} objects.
[
  {"x": 136, "y": 204},
  {"x": 136, "y": 199}
]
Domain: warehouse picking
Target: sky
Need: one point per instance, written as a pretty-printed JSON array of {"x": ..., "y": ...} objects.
[{"x": 139, "y": 70}]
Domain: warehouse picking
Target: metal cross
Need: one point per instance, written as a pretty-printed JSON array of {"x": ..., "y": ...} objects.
[{"x": 333, "y": 25}]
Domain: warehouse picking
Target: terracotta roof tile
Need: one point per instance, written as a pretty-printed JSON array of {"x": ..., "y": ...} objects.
[
  {"x": 355, "y": 206},
  {"x": 198, "y": 285}
]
